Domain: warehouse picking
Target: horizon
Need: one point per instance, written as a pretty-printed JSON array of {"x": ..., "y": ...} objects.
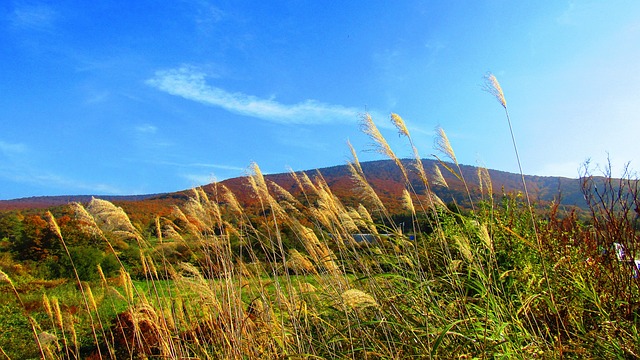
[
  {"x": 108, "y": 196},
  {"x": 149, "y": 98}
]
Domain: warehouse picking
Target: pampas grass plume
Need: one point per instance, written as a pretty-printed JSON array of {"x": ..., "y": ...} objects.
[
  {"x": 399, "y": 124},
  {"x": 438, "y": 179},
  {"x": 443, "y": 145},
  {"x": 358, "y": 299},
  {"x": 407, "y": 201},
  {"x": 492, "y": 86}
]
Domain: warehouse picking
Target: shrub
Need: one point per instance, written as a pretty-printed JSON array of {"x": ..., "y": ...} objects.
[{"x": 85, "y": 260}]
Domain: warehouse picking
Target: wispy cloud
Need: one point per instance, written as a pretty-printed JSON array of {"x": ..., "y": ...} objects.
[
  {"x": 18, "y": 165},
  {"x": 97, "y": 97},
  {"x": 191, "y": 84},
  {"x": 198, "y": 180},
  {"x": 199, "y": 176},
  {"x": 29, "y": 175},
  {"x": 7, "y": 148},
  {"x": 34, "y": 17},
  {"x": 54, "y": 180},
  {"x": 149, "y": 140},
  {"x": 207, "y": 14},
  {"x": 217, "y": 166},
  {"x": 203, "y": 165},
  {"x": 146, "y": 129}
]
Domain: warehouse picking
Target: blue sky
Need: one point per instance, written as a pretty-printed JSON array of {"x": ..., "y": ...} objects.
[{"x": 133, "y": 97}]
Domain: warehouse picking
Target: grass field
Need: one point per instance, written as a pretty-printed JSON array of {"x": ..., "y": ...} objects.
[{"x": 488, "y": 279}]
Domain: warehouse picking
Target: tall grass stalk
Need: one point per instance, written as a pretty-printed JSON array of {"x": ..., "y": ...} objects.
[
  {"x": 56, "y": 229},
  {"x": 492, "y": 86},
  {"x": 4, "y": 278},
  {"x": 296, "y": 271}
]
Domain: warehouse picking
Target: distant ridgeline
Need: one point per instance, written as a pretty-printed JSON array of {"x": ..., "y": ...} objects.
[{"x": 383, "y": 175}]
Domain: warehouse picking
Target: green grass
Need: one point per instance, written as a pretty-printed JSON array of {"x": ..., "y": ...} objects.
[
  {"x": 474, "y": 287},
  {"x": 286, "y": 278}
]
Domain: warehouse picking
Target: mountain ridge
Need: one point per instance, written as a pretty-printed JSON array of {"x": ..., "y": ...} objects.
[{"x": 384, "y": 176}]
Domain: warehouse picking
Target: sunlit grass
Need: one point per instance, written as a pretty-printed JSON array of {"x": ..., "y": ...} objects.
[{"x": 289, "y": 277}]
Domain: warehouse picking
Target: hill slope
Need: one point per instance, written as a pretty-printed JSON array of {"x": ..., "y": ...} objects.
[{"x": 384, "y": 176}]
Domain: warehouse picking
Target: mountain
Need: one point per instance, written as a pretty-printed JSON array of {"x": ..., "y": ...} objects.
[
  {"x": 44, "y": 202},
  {"x": 386, "y": 178},
  {"x": 383, "y": 175}
]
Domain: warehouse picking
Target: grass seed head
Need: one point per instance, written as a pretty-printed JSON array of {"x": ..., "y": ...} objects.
[
  {"x": 435, "y": 200},
  {"x": 298, "y": 263},
  {"x": 407, "y": 201},
  {"x": 91, "y": 298},
  {"x": 53, "y": 224},
  {"x": 168, "y": 231},
  {"x": 484, "y": 180},
  {"x": 257, "y": 182},
  {"x": 306, "y": 181},
  {"x": 348, "y": 222},
  {"x": 464, "y": 247},
  {"x": 364, "y": 188},
  {"x": 112, "y": 218},
  {"x": 47, "y": 305},
  {"x": 438, "y": 179},
  {"x": 101, "y": 273},
  {"x": 485, "y": 237},
  {"x": 358, "y": 299},
  {"x": 4, "y": 278},
  {"x": 356, "y": 162},
  {"x": 399, "y": 124},
  {"x": 86, "y": 222},
  {"x": 282, "y": 193},
  {"x": 492, "y": 86},
  {"x": 380, "y": 143},
  {"x": 190, "y": 270},
  {"x": 57, "y": 312},
  {"x": 418, "y": 166},
  {"x": 443, "y": 145},
  {"x": 366, "y": 216},
  {"x": 307, "y": 288},
  {"x": 231, "y": 200},
  {"x": 370, "y": 128}
]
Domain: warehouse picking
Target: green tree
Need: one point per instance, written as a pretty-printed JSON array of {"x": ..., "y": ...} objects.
[
  {"x": 85, "y": 262},
  {"x": 10, "y": 225},
  {"x": 36, "y": 240}
]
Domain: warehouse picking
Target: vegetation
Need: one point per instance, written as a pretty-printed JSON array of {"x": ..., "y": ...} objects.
[{"x": 316, "y": 275}]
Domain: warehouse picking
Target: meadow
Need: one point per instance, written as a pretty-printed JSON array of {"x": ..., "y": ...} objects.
[{"x": 494, "y": 276}]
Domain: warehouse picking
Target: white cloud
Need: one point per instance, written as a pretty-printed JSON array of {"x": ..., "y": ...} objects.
[
  {"x": 203, "y": 165},
  {"x": 146, "y": 129},
  {"x": 216, "y": 166},
  {"x": 198, "y": 179},
  {"x": 203, "y": 173},
  {"x": 190, "y": 84},
  {"x": 11, "y": 148},
  {"x": 208, "y": 14},
  {"x": 34, "y": 17},
  {"x": 53, "y": 180},
  {"x": 97, "y": 97}
]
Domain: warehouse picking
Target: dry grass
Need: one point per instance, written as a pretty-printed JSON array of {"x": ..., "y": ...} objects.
[{"x": 293, "y": 279}]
